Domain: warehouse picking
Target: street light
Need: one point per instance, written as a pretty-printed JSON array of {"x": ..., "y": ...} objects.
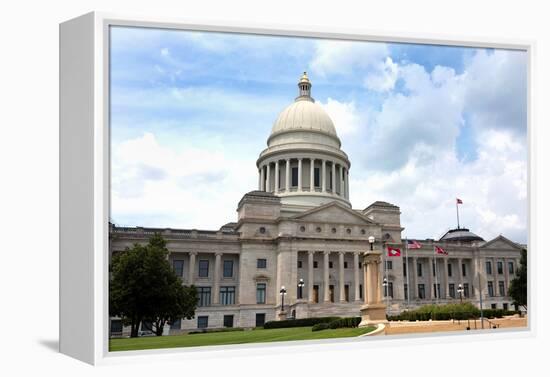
[
  {"x": 282, "y": 292},
  {"x": 371, "y": 241},
  {"x": 386, "y": 293},
  {"x": 300, "y": 287},
  {"x": 460, "y": 290}
]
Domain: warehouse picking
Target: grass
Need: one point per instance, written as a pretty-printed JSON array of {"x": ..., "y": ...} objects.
[{"x": 233, "y": 337}]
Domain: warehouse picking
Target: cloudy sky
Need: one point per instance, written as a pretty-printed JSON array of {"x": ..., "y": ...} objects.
[{"x": 422, "y": 125}]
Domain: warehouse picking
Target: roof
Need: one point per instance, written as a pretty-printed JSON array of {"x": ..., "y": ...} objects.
[
  {"x": 304, "y": 116},
  {"x": 460, "y": 234},
  {"x": 379, "y": 203}
]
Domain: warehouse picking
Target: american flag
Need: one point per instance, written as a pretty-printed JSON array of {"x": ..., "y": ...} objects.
[
  {"x": 458, "y": 201},
  {"x": 440, "y": 250},
  {"x": 412, "y": 244}
]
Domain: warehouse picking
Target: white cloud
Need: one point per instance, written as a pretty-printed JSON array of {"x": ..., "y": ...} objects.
[
  {"x": 344, "y": 115},
  {"x": 383, "y": 77}
]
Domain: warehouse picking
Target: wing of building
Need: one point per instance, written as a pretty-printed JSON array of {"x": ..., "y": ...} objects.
[{"x": 299, "y": 231}]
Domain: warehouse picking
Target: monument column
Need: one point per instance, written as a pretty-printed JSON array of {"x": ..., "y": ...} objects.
[
  {"x": 341, "y": 276},
  {"x": 326, "y": 282},
  {"x": 374, "y": 310},
  {"x": 356, "y": 275},
  {"x": 216, "y": 288},
  {"x": 310, "y": 255}
]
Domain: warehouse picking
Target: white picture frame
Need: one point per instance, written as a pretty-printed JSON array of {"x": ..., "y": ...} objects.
[{"x": 84, "y": 181}]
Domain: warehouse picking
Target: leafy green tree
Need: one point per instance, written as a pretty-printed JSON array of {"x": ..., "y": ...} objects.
[
  {"x": 144, "y": 287},
  {"x": 518, "y": 286}
]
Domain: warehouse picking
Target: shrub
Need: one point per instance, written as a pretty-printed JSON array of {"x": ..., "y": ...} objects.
[
  {"x": 320, "y": 326},
  {"x": 345, "y": 322},
  {"x": 225, "y": 329},
  {"x": 302, "y": 322},
  {"x": 438, "y": 312}
]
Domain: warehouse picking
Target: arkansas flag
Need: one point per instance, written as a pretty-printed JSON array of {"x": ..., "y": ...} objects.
[
  {"x": 394, "y": 252},
  {"x": 458, "y": 201},
  {"x": 440, "y": 250}
]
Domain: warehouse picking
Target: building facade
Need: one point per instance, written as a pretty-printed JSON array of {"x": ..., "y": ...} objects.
[{"x": 299, "y": 234}]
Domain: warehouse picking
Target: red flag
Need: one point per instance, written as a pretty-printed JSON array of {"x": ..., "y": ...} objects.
[
  {"x": 458, "y": 201},
  {"x": 412, "y": 244},
  {"x": 394, "y": 252},
  {"x": 440, "y": 250}
]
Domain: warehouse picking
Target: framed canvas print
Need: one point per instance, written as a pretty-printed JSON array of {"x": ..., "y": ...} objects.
[{"x": 209, "y": 201}]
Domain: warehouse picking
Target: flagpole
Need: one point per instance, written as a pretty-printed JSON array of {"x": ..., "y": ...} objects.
[
  {"x": 436, "y": 293},
  {"x": 457, "y": 218},
  {"x": 407, "y": 268}
]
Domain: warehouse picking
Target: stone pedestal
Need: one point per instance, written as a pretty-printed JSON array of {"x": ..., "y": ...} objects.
[
  {"x": 282, "y": 316},
  {"x": 374, "y": 310}
]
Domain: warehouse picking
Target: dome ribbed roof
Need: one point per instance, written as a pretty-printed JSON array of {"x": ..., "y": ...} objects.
[
  {"x": 461, "y": 234},
  {"x": 304, "y": 115}
]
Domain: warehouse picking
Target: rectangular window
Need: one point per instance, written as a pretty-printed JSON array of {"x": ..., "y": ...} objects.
[
  {"x": 345, "y": 264},
  {"x": 228, "y": 320},
  {"x": 346, "y": 292},
  {"x": 360, "y": 265},
  {"x": 204, "y": 296},
  {"x": 421, "y": 291},
  {"x": 178, "y": 267},
  {"x": 361, "y": 291},
  {"x": 227, "y": 268},
  {"x": 463, "y": 269},
  {"x": 511, "y": 267},
  {"x": 316, "y": 294},
  {"x": 433, "y": 267},
  {"x": 499, "y": 268},
  {"x": 405, "y": 291},
  {"x": 449, "y": 269},
  {"x": 331, "y": 292},
  {"x": 389, "y": 265},
  {"x": 116, "y": 326},
  {"x": 404, "y": 268},
  {"x": 466, "y": 288},
  {"x": 316, "y": 177},
  {"x": 260, "y": 293},
  {"x": 203, "y": 268},
  {"x": 437, "y": 290},
  {"x": 488, "y": 268},
  {"x": 315, "y": 264},
  {"x": 505, "y": 306},
  {"x": 294, "y": 177},
  {"x": 299, "y": 264},
  {"x": 261, "y": 263},
  {"x": 176, "y": 325},
  {"x": 388, "y": 289},
  {"x": 490, "y": 289},
  {"x": 501, "y": 290},
  {"x": 227, "y": 295},
  {"x": 493, "y": 306},
  {"x": 330, "y": 180},
  {"x": 330, "y": 264},
  {"x": 419, "y": 269},
  {"x": 260, "y": 319},
  {"x": 202, "y": 321},
  {"x": 452, "y": 290}
]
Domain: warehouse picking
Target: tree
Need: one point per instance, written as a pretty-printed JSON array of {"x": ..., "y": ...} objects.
[
  {"x": 518, "y": 286},
  {"x": 144, "y": 287}
]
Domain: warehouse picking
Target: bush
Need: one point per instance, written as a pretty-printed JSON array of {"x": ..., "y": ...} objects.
[
  {"x": 225, "y": 329},
  {"x": 345, "y": 322},
  {"x": 320, "y": 326},
  {"x": 302, "y": 322},
  {"x": 439, "y": 312}
]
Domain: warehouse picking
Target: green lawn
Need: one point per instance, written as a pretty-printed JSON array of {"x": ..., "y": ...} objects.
[{"x": 233, "y": 337}]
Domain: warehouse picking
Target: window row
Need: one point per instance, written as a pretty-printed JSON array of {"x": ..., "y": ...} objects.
[
  {"x": 228, "y": 320},
  {"x": 204, "y": 268},
  {"x": 330, "y": 264},
  {"x": 500, "y": 267}
]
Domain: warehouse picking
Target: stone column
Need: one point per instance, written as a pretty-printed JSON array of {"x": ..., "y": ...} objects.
[
  {"x": 299, "y": 174},
  {"x": 445, "y": 290},
  {"x": 459, "y": 269},
  {"x": 341, "y": 276},
  {"x": 366, "y": 279},
  {"x": 262, "y": 179},
  {"x": 324, "y": 176},
  {"x": 192, "y": 257},
  {"x": 431, "y": 278},
  {"x": 356, "y": 275},
  {"x": 268, "y": 178},
  {"x": 310, "y": 256},
  {"x": 414, "y": 289},
  {"x": 506, "y": 276},
  {"x": 312, "y": 175},
  {"x": 495, "y": 277},
  {"x": 341, "y": 180},
  {"x": 326, "y": 281},
  {"x": 374, "y": 310},
  {"x": 287, "y": 175},
  {"x": 276, "y": 177},
  {"x": 333, "y": 178},
  {"x": 216, "y": 293},
  {"x": 347, "y": 183}
]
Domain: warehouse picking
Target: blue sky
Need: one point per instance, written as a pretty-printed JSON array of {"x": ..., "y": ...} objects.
[{"x": 422, "y": 125}]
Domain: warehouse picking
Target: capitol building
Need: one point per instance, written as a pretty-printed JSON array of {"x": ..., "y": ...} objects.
[{"x": 298, "y": 239}]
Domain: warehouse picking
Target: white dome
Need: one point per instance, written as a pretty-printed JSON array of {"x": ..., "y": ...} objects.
[{"x": 304, "y": 115}]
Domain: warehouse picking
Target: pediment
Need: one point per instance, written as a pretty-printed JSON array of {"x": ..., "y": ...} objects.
[
  {"x": 334, "y": 213},
  {"x": 501, "y": 243}
]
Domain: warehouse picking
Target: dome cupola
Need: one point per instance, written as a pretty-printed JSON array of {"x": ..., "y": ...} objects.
[{"x": 303, "y": 162}]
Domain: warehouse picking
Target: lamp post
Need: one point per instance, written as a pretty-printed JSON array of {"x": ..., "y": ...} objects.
[
  {"x": 386, "y": 292},
  {"x": 300, "y": 288},
  {"x": 283, "y": 293},
  {"x": 371, "y": 242},
  {"x": 460, "y": 290}
]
